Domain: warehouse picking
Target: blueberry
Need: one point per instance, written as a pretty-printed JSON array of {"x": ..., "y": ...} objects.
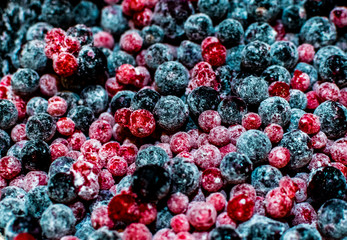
[
  {"x": 261, "y": 227},
  {"x": 38, "y": 31},
  {"x": 189, "y": 54},
  {"x": 33, "y": 56},
  {"x": 12, "y": 192},
  {"x": 57, "y": 221},
  {"x": 263, "y": 10},
  {"x": 36, "y": 105},
  {"x": 238, "y": 11},
  {"x": 84, "y": 229},
  {"x": 323, "y": 53},
  {"x": 333, "y": 213},
  {"x": 83, "y": 34},
  {"x": 152, "y": 34},
  {"x": 276, "y": 73},
  {"x": 201, "y": 99},
  {"x": 214, "y": 9},
  {"x": 124, "y": 183},
  {"x": 299, "y": 145},
  {"x": 236, "y": 168},
  {"x": 309, "y": 70},
  {"x": 234, "y": 56},
  {"x": 297, "y": 99},
  {"x": 145, "y": 99},
  {"x": 224, "y": 232},
  {"x": 260, "y": 31},
  {"x": 104, "y": 234},
  {"x": 37, "y": 201},
  {"x": 293, "y": 17},
  {"x": 252, "y": 90},
  {"x": 184, "y": 176},
  {"x": 198, "y": 27},
  {"x": 230, "y": 32},
  {"x": 86, "y": 13},
  {"x": 116, "y": 59},
  {"x": 11, "y": 208},
  {"x": 318, "y": 31},
  {"x": 92, "y": 64},
  {"x": 302, "y": 232},
  {"x": 16, "y": 149},
  {"x": 274, "y": 110},
  {"x": 264, "y": 178},
  {"x": 60, "y": 187},
  {"x": 231, "y": 110},
  {"x": 170, "y": 16},
  {"x": 163, "y": 219},
  {"x": 57, "y": 12},
  {"x": 334, "y": 69},
  {"x": 151, "y": 183},
  {"x": 151, "y": 155},
  {"x": 170, "y": 113},
  {"x": 112, "y": 20},
  {"x": 36, "y": 155},
  {"x": 333, "y": 118},
  {"x": 296, "y": 114},
  {"x": 122, "y": 99},
  {"x": 157, "y": 54},
  {"x": 171, "y": 78},
  {"x": 284, "y": 53},
  {"x": 224, "y": 75},
  {"x": 103, "y": 198},
  {"x": 23, "y": 224},
  {"x": 25, "y": 81},
  {"x": 82, "y": 117},
  {"x": 8, "y": 114},
  {"x": 255, "y": 57},
  {"x": 95, "y": 97},
  {"x": 40, "y": 127},
  {"x": 4, "y": 143},
  {"x": 326, "y": 183}
]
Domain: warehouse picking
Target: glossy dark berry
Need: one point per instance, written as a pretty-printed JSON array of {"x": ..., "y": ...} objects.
[
  {"x": 40, "y": 127},
  {"x": 82, "y": 117},
  {"x": 121, "y": 100},
  {"x": 265, "y": 178},
  {"x": 189, "y": 54},
  {"x": 171, "y": 78},
  {"x": 236, "y": 168},
  {"x": 255, "y": 57},
  {"x": 276, "y": 73},
  {"x": 333, "y": 118},
  {"x": 224, "y": 232},
  {"x": 151, "y": 182},
  {"x": 35, "y": 155},
  {"x": 332, "y": 213},
  {"x": 157, "y": 54},
  {"x": 60, "y": 187},
  {"x": 255, "y": 145},
  {"x": 95, "y": 97},
  {"x": 8, "y": 114},
  {"x": 334, "y": 69},
  {"x": 260, "y": 31},
  {"x": 293, "y": 17},
  {"x": 184, "y": 176},
  {"x": 170, "y": 113},
  {"x": 326, "y": 183},
  {"x": 202, "y": 99},
  {"x": 198, "y": 27},
  {"x": 318, "y": 31},
  {"x": 25, "y": 81}
]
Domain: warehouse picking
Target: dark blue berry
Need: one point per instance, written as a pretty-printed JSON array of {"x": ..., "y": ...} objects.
[
  {"x": 83, "y": 34},
  {"x": 224, "y": 232},
  {"x": 296, "y": 114},
  {"x": 11, "y": 208},
  {"x": 86, "y": 13},
  {"x": 40, "y": 127},
  {"x": 152, "y": 34},
  {"x": 5, "y": 141},
  {"x": 255, "y": 57},
  {"x": 234, "y": 56},
  {"x": 60, "y": 187},
  {"x": 116, "y": 59},
  {"x": 323, "y": 53},
  {"x": 189, "y": 54},
  {"x": 276, "y": 73},
  {"x": 122, "y": 99},
  {"x": 297, "y": 99},
  {"x": 263, "y": 10},
  {"x": 214, "y": 9},
  {"x": 151, "y": 155},
  {"x": 302, "y": 232},
  {"x": 57, "y": 12},
  {"x": 37, "y": 201},
  {"x": 198, "y": 27},
  {"x": 230, "y": 32},
  {"x": 293, "y": 17},
  {"x": 36, "y": 155},
  {"x": 112, "y": 20},
  {"x": 309, "y": 70},
  {"x": 38, "y": 31},
  {"x": 284, "y": 53},
  {"x": 236, "y": 168},
  {"x": 157, "y": 54},
  {"x": 264, "y": 178},
  {"x": 23, "y": 224},
  {"x": 334, "y": 69},
  {"x": 82, "y": 117},
  {"x": 202, "y": 99},
  {"x": 8, "y": 114},
  {"x": 231, "y": 110},
  {"x": 95, "y": 97},
  {"x": 260, "y": 31},
  {"x": 25, "y": 81},
  {"x": 36, "y": 105},
  {"x": 33, "y": 56},
  {"x": 145, "y": 99},
  {"x": 71, "y": 99},
  {"x": 274, "y": 110},
  {"x": 12, "y": 192}
]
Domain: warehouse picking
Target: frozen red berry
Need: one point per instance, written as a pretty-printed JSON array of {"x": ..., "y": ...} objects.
[
  {"x": 65, "y": 126},
  {"x": 251, "y": 121},
  {"x": 274, "y": 132},
  {"x": 209, "y": 119},
  {"x": 180, "y": 142},
  {"x": 65, "y": 64},
  {"x": 240, "y": 207},
  {"x": 279, "y": 157},
  {"x": 309, "y": 123},
  {"x": 201, "y": 215},
  {"x": 306, "y": 52},
  {"x": 10, "y": 167},
  {"x": 212, "y": 179},
  {"x": 178, "y": 203},
  {"x": 57, "y": 106},
  {"x": 300, "y": 81},
  {"x": 277, "y": 203}
]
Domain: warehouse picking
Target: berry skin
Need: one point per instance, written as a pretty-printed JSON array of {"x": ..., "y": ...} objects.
[
  {"x": 300, "y": 81},
  {"x": 117, "y": 166},
  {"x": 219, "y": 136},
  {"x": 103, "y": 39},
  {"x": 251, "y": 121},
  {"x": 218, "y": 200},
  {"x": 274, "y": 132},
  {"x": 212, "y": 180},
  {"x": 178, "y": 203},
  {"x": 339, "y": 17},
  {"x": 201, "y": 215},
  {"x": 10, "y": 167},
  {"x": 100, "y": 130},
  {"x": 57, "y": 106},
  {"x": 309, "y": 123},
  {"x": 306, "y": 53},
  {"x": 277, "y": 203},
  {"x": 65, "y": 64},
  {"x": 179, "y": 223},
  {"x": 18, "y": 133},
  {"x": 328, "y": 91},
  {"x": 131, "y": 41},
  {"x": 142, "y": 123},
  {"x": 313, "y": 100},
  {"x": 240, "y": 208},
  {"x": 214, "y": 54},
  {"x": 279, "y": 157},
  {"x": 180, "y": 142},
  {"x": 65, "y": 126},
  {"x": 137, "y": 231},
  {"x": 99, "y": 218}
]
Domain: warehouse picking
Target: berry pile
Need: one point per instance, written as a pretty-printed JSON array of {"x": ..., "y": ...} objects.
[{"x": 173, "y": 119}]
